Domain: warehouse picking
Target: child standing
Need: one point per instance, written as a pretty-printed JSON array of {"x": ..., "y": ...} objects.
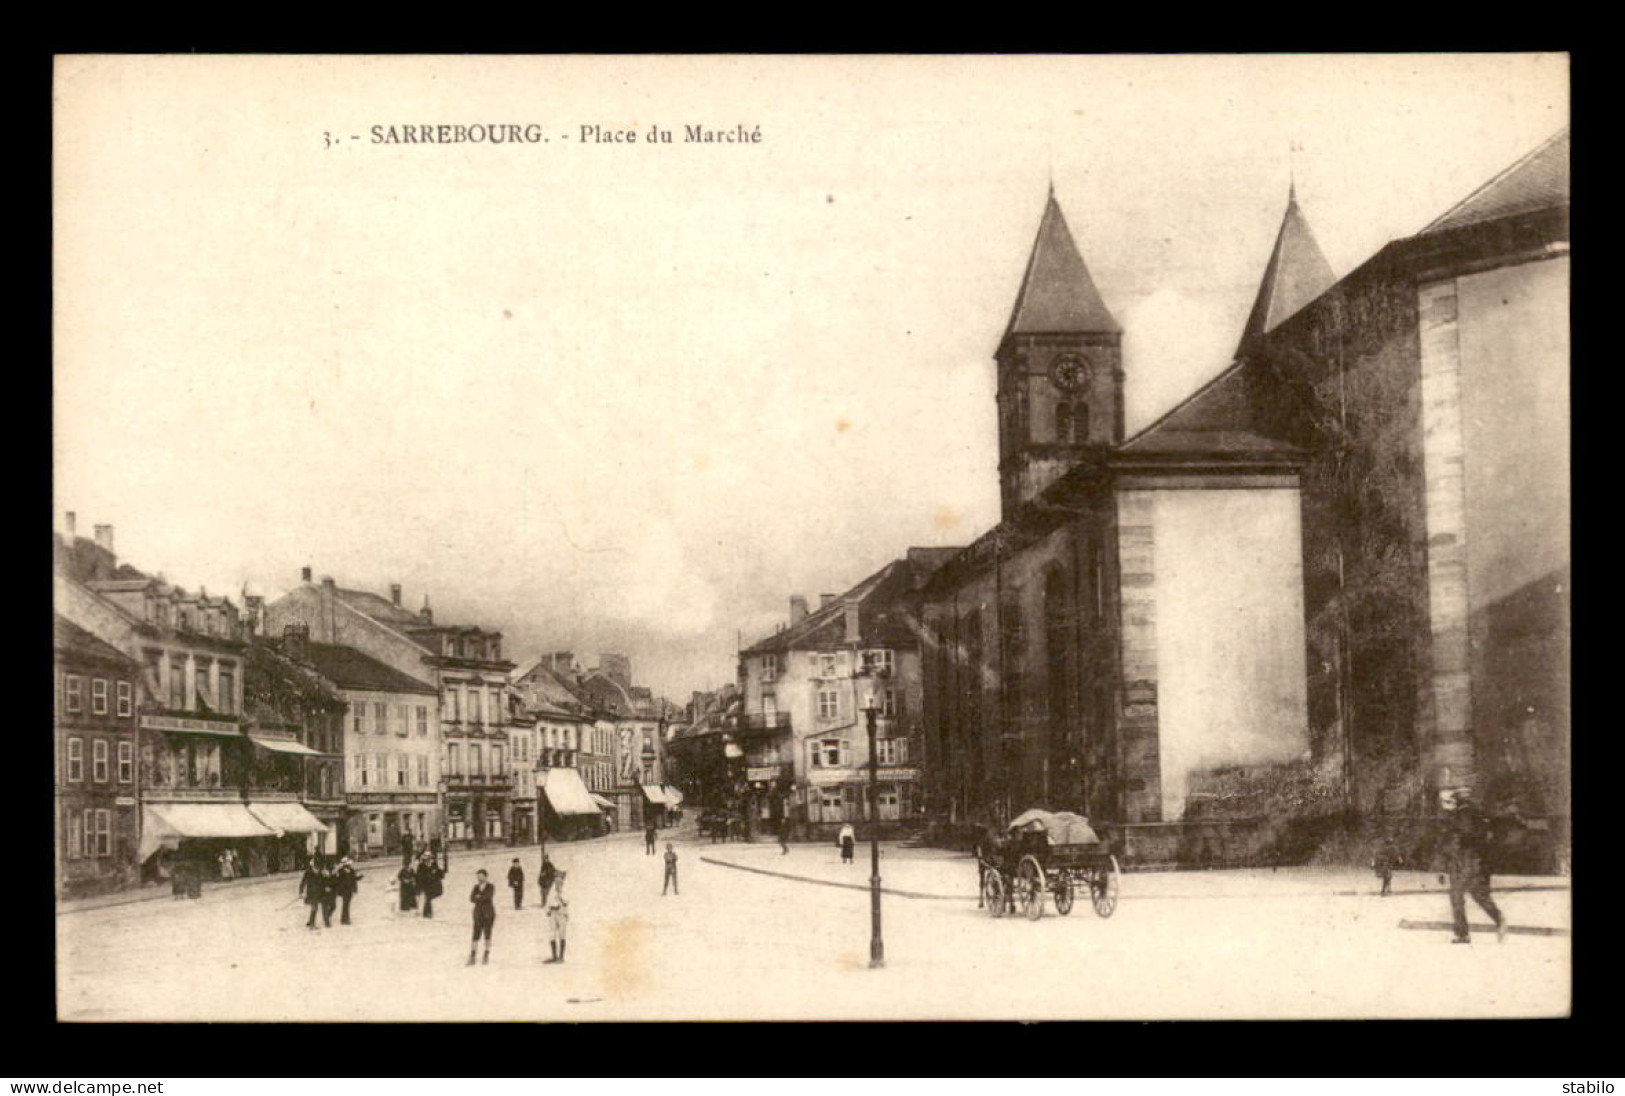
[
  {"x": 671, "y": 871},
  {"x": 485, "y": 914},
  {"x": 558, "y": 918}
]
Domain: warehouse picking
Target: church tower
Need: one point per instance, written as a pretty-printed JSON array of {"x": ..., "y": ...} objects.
[
  {"x": 1060, "y": 368},
  {"x": 1296, "y": 274}
]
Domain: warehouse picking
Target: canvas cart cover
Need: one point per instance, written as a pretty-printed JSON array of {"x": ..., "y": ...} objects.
[
  {"x": 567, "y": 793},
  {"x": 287, "y": 817},
  {"x": 1061, "y": 827},
  {"x": 164, "y": 824}
]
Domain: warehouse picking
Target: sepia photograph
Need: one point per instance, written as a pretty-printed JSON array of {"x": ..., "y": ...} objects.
[{"x": 811, "y": 538}]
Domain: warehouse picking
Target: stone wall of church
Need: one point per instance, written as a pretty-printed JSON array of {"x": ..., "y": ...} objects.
[{"x": 1222, "y": 643}]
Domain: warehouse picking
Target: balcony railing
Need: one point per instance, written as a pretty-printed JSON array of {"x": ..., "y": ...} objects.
[{"x": 765, "y": 721}]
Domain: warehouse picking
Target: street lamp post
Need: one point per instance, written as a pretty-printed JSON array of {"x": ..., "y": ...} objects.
[{"x": 877, "y": 945}]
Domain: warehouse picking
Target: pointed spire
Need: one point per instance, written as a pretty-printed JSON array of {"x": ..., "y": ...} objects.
[
  {"x": 1296, "y": 274},
  {"x": 1057, "y": 294}
]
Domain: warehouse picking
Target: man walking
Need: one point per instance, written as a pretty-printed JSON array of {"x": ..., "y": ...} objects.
[
  {"x": 344, "y": 882},
  {"x": 671, "y": 872},
  {"x": 313, "y": 889},
  {"x": 1463, "y": 845},
  {"x": 429, "y": 876},
  {"x": 558, "y": 919},
  {"x": 784, "y": 836},
  {"x": 516, "y": 883},
  {"x": 485, "y": 914},
  {"x": 649, "y": 838}
]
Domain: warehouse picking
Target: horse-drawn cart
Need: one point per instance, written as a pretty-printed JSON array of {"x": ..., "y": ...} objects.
[{"x": 1048, "y": 855}]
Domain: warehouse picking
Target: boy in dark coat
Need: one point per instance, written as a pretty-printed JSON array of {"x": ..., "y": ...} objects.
[
  {"x": 1384, "y": 863},
  {"x": 546, "y": 876},
  {"x": 516, "y": 883},
  {"x": 484, "y": 897}
]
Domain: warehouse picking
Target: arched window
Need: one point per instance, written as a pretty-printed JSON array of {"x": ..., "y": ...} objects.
[
  {"x": 1063, "y": 422},
  {"x": 1080, "y": 423}
]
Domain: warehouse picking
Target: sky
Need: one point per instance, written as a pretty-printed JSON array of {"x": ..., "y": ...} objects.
[{"x": 631, "y": 396}]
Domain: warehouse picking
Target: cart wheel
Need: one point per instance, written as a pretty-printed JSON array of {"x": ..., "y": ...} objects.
[
  {"x": 994, "y": 895},
  {"x": 1103, "y": 889},
  {"x": 1063, "y": 896},
  {"x": 1031, "y": 887}
]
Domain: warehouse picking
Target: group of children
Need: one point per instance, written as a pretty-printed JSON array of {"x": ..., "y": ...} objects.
[{"x": 483, "y": 897}]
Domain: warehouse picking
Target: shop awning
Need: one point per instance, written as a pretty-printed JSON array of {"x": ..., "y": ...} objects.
[
  {"x": 653, "y": 794},
  {"x": 567, "y": 794},
  {"x": 164, "y": 824},
  {"x": 603, "y": 803},
  {"x": 287, "y": 817},
  {"x": 673, "y": 796},
  {"x": 285, "y": 745}
]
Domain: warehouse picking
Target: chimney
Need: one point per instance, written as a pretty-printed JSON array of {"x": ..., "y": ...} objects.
[
  {"x": 296, "y": 641},
  {"x": 826, "y": 600},
  {"x": 72, "y": 522},
  {"x": 395, "y": 593},
  {"x": 104, "y": 537},
  {"x": 426, "y": 613},
  {"x": 327, "y": 626},
  {"x": 852, "y": 631},
  {"x": 304, "y": 574},
  {"x": 798, "y": 609}
]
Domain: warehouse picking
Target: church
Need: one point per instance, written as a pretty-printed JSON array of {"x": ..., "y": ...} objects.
[{"x": 1260, "y": 609}]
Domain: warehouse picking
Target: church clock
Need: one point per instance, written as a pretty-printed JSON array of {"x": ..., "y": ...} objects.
[{"x": 1070, "y": 373}]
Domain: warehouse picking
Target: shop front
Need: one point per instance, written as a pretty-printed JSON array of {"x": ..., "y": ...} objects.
[
  {"x": 572, "y": 811},
  {"x": 187, "y": 839}
]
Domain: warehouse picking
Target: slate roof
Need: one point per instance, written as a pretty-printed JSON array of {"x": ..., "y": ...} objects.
[
  {"x": 1221, "y": 419},
  {"x": 75, "y": 643},
  {"x": 1540, "y": 180},
  {"x": 884, "y": 617},
  {"x": 1057, "y": 294},
  {"x": 353, "y": 669},
  {"x": 1297, "y": 273},
  {"x": 379, "y": 608}
]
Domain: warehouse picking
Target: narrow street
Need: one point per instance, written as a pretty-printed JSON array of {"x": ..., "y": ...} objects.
[{"x": 745, "y": 944}]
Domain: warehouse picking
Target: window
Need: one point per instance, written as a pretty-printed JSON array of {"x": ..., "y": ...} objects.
[
  {"x": 400, "y": 770},
  {"x": 126, "y": 699},
  {"x": 827, "y": 665},
  {"x": 401, "y": 719},
  {"x": 454, "y": 759},
  {"x": 76, "y": 693},
  {"x": 770, "y": 667},
  {"x": 423, "y": 721},
  {"x": 76, "y": 835},
  {"x": 496, "y": 760},
  {"x": 829, "y": 703},
  {"x": 496, "y": 706},
  {"x": 830, "y": 800},
  {"x": 98, "y": 696},
  {"x": 877, "y": 662},
  {"x": 359, "y": 711},
  {"x": 380, "y": 718},
  {"x": 888, "y": 704},
  {"x": 454, "y": 704},
  {"x": 423, "y": 770},
  {"x": 228, "y": 688},
  {"x": 126, "y": 762},
  {"x": 891, "y": 751},
  {"x": 177, "y": 685},
  {"x": 887, "y": 799},
  {"x": 829, "y": 752},
  {"x": 76, "y": 760},
  {"x": 100, "y": 839},
  {"x": 200, "y": 682},
  {"x": 476, "y": 761},
  {"x": 476, "y": 705},
  {"x": 358, "y": 770}
]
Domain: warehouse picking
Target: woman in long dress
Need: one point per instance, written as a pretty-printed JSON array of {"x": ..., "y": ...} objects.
[{"x": 408, "y": 879}]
